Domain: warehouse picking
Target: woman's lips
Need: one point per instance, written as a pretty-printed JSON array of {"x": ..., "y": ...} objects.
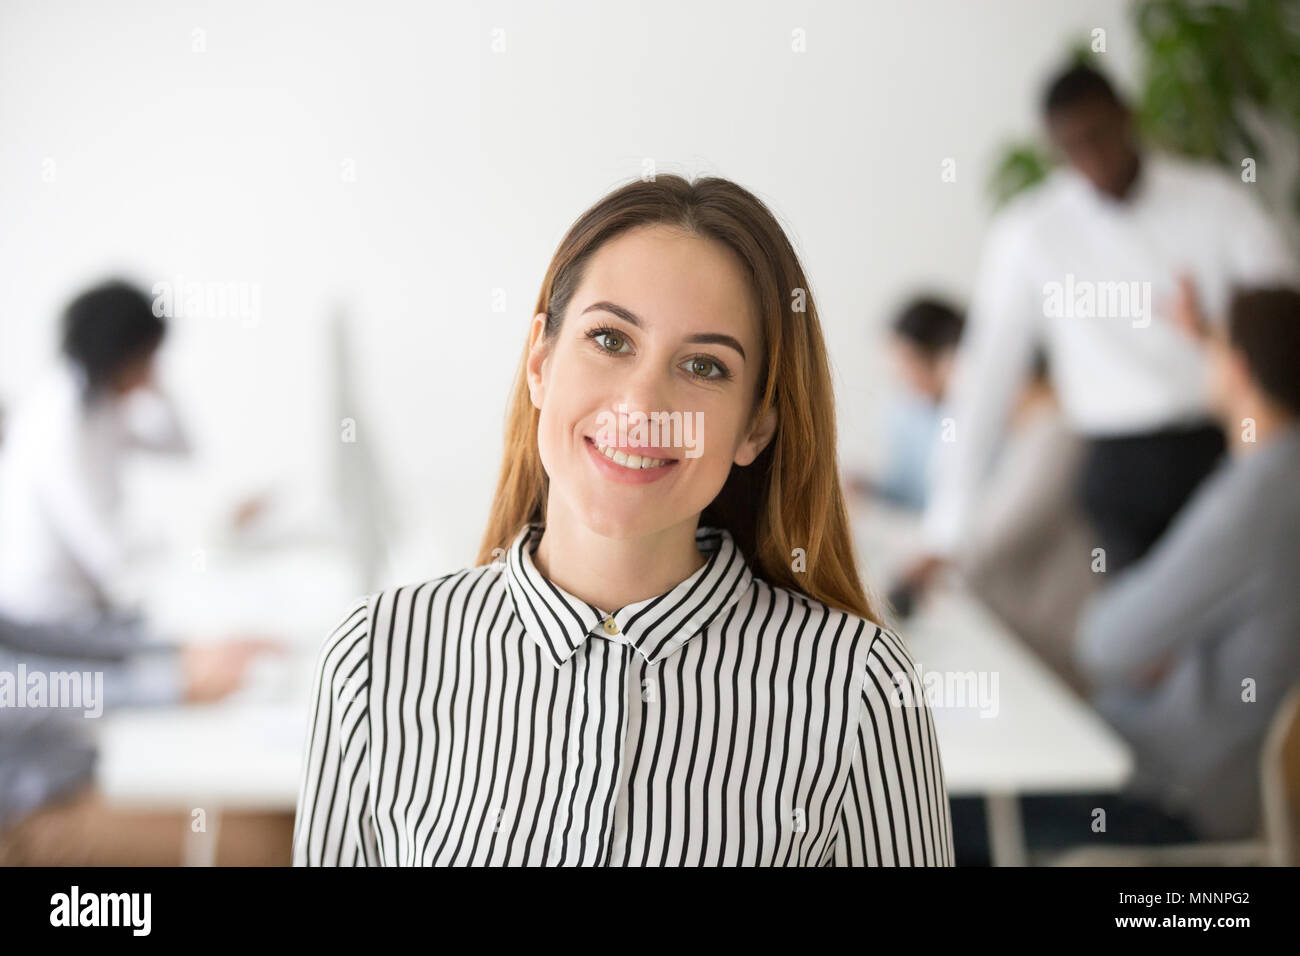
[{"x": 624, "y": 475}]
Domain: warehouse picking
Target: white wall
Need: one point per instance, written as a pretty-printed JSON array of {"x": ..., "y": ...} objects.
[{"x": 231, "y": 164}]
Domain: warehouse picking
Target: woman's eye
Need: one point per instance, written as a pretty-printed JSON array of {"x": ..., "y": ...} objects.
[
  {"x": 704, "y": 367},
  {"x": 608, "y": 339}
]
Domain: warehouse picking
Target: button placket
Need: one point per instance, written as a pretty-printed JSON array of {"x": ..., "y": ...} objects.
[{"x": 629, "y": 684}]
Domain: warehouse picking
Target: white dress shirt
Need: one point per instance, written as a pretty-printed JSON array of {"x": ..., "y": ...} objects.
[
  {"x": 1119, "y": 367},
  {"x": 490, "y": 717},
  {"x": 63, "y": 553}
]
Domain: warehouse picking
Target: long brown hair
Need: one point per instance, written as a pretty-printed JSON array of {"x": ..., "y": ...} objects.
[{"x": 789, "y": 497}]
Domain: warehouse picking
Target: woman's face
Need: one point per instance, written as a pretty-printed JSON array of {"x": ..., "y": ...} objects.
[{"x": 656, "y": 362}]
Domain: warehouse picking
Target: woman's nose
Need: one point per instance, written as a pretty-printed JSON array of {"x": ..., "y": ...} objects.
[{"x": 647, "y": 389}]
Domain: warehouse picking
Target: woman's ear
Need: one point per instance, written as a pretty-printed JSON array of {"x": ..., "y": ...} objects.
[
  {"x": 759, "y": 436},
  {"x": 538, "y": 349}
]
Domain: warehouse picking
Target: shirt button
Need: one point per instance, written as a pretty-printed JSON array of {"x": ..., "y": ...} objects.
[{"x": 610, "y": 626}]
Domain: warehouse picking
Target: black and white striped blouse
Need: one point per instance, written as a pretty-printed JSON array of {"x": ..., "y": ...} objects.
[{"x": 488, "y": 717}]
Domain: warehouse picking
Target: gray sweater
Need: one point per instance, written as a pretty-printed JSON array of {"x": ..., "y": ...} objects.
[
  {"x": 1218, "y": 597},
  {"x": 47, "y": 751}
]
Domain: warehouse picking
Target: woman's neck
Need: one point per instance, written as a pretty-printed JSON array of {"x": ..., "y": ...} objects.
[{"x": 611, "y": 573}]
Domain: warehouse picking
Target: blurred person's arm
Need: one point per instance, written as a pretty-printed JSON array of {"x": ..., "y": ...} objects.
[
  {"x": 992, "y": 365},
  {"x": 139, "y": 668},
  {"x": 110, "y": 638},
  {"x": 156, "y": 678},
  {"x": 1171, "y": 600},
  {"x": 160, "y": 677}
]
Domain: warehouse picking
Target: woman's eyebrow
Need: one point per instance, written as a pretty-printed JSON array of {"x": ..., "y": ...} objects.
[{"x": 700, "y": 338}]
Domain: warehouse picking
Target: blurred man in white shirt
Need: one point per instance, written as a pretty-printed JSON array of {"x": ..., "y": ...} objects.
[
  {"x": 63, "y": 555},
  {"x": 1089, "y": 265}
]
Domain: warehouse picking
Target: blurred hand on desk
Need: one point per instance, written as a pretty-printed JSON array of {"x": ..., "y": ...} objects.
[
  {"x": 915, "y": 581},
  {"x": 215, "y": 670},
  {"x": 248, "y": 511}
]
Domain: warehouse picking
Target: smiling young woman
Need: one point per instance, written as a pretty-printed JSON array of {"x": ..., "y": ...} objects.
[{"x": 664, "y": 654}]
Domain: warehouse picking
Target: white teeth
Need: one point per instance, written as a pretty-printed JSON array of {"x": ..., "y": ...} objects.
[{"x": 628, "y": 461}]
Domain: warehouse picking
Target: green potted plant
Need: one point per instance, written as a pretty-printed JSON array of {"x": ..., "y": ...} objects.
[{"x": 1211, "y": 71}]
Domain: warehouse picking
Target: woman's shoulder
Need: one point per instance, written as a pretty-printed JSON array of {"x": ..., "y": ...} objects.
[
  {"x": 375, "y": 609},
  {"x": 865, "y": 659},
  {"x": 830, "y": 629},
  {"x": 782, "y": 597}
]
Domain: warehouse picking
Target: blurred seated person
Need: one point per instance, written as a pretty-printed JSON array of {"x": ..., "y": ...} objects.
[
  {"x": 1194, "y": 647},
  {"x": 51, "y": 813},
  {"x": 62, "y": 552},
  {"x": 1026, "y": 554},
  {"x": 1191, "y": 650},
  {"x": 922, "y": 344}
]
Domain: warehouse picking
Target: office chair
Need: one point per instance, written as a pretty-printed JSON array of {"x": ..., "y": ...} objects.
[{"x": 1278, "y": 842}]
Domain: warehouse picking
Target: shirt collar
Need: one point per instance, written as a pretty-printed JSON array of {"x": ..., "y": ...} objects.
[
  {"x": 1151, "y": 172},
  {"x": 657, "y": 627}
]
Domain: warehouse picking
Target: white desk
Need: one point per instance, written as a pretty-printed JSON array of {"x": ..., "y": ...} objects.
[
  {"x": 210, "y": 758},
  {"x": 243, "y": 753},
  {"x": 1036, "y": 737},
  {"x": 236, "y": 754}
]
